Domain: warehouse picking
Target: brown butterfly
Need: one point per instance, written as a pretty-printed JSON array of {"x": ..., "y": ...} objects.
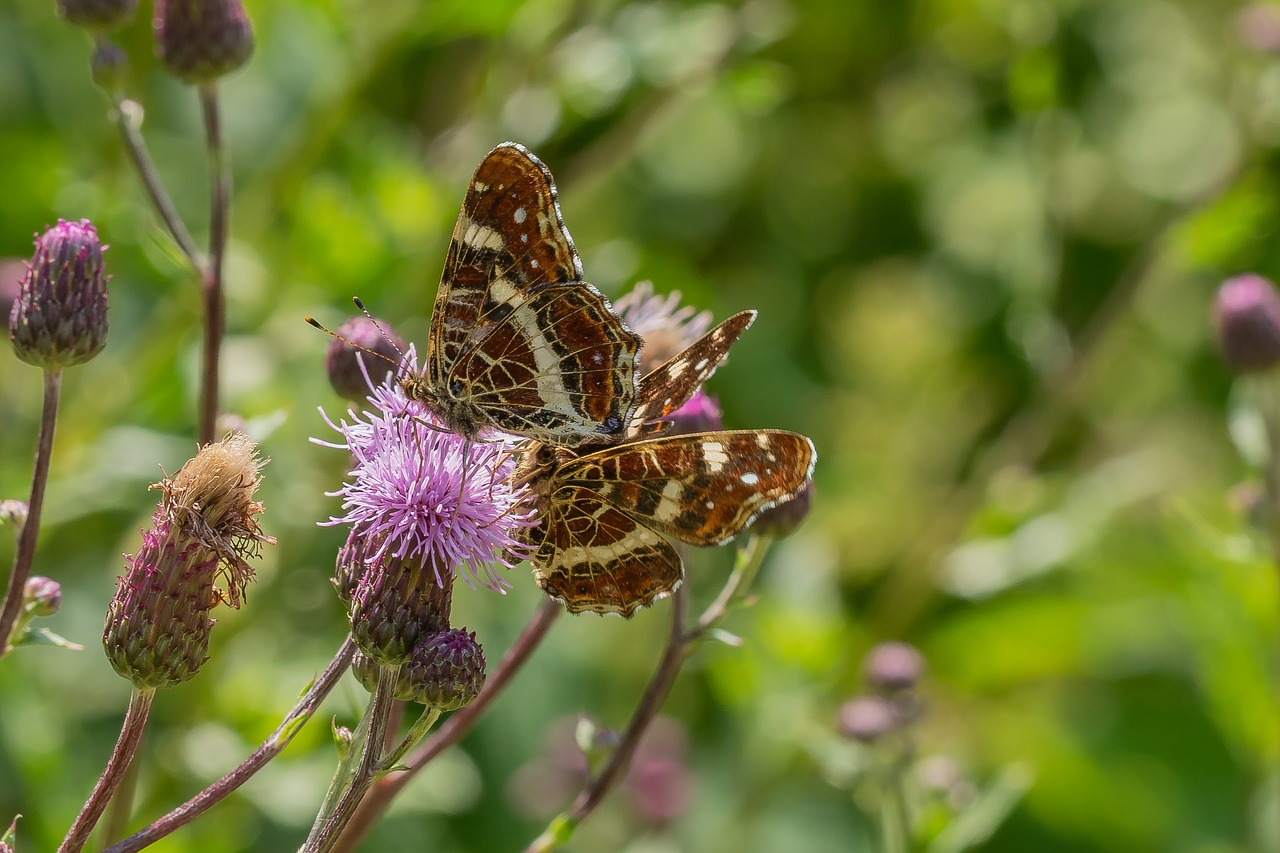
[
  {"x": 598, "y": 545},
  {"x": 518, "y": 340}
]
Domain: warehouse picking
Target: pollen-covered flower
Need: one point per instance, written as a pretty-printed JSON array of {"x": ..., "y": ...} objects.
[
  {"x": 350, "y": 369},
  {"x": 666, "y": 326},
  {"x": 201, "y": 40},
  {"x": 60, "y": 316},
  {"x": 203, "y": 531},
  {"x": 426, "y": 494}
]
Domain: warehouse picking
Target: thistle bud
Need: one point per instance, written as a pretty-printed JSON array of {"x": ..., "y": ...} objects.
[
  {"x": 97, "y": 14},
  {"x": 784, "y": 517},
  {"x": 60, "y": 316},
  {"x": 446, "y": 670},
  {"x": 867, "y": 718},
  {"x": 893, "y": 667},
  {"x": 396, "y": 603},
  {"x": 158, "y": 624},
  {"x": 342, "y": 360},
  {"x": 1247, "y": 313},
  {"x": 108, "y": 66},
  {"x": 42, "y": 596},
  {"x": 201, "y": 40}
]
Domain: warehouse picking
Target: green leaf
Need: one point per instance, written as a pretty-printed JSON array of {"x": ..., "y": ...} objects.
[{"x": 45, "y": 637}]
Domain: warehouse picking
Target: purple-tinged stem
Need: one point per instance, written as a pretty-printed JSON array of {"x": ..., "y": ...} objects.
[
  {"x": 366, "y": 772},
  {"x": 215, "y": 305},
  {"x": 453, "y": 729},
  {"x": 269, "y": 749},
  {"x": 135, "y": 720},
  {"x": 127, "y": 116},
  {"x": 26, "y": 553}
]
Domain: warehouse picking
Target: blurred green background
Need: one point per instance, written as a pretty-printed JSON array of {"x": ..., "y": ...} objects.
[{"x": 983, "y": 236}]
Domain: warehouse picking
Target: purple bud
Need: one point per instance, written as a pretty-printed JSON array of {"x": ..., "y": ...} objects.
[
  {"x": 342, "y": 361},
  {"x": 397, "y": 602},
  {"x": 97, "y": 14},
  {"x": 1247, "y": 313},
  {"x": 890, "y": 667},
  {"x": 201, "y": 40},
  {"x": 446, "y": 670},
  {"x": 783, "y": 518},
  {"x": 42, "y": 595},
  {"x": 867, "y": 718},
  {"x": 60, "y": 316}
]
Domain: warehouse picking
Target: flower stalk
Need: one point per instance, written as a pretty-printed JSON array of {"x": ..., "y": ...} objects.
[{"x": 215, "y": 301}]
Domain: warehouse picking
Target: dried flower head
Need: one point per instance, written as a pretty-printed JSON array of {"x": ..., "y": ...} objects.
[
  {"x": 60, "y": 316},
  {"x": 97, "y": 15},
  {"x": 352, "y": 371},
  {"x": 203, "y": 531},
  {"x": 201, "y": 40},
  {"x": 666, "y": 326},
  {"x": 1247, "y": 312},
  {"x": 446, "y": 670}
]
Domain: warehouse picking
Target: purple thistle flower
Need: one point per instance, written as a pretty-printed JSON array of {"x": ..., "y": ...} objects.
[{"x": 428, "y": 495}]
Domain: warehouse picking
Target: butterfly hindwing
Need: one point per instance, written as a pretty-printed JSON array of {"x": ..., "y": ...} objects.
[
  {"x": 702, "y": 488},
  {"x": 595, "y": 558}
]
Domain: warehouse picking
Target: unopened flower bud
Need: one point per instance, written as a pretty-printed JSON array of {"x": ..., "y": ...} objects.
[
  {"x": 1247, "y": 312},
  {"x": 158, "y": 624},
  {"x": 201, "y": 40},
  {"x": 60, "y": 316},
  {"x": 342, "y": 360},
  {"x": 446, "y": 670},
  {"x": 109, "y": 65},
  {"x": 43, "y": 596},
  {"x": 783, "y": 518},
  {"x": 867, "y": 718},
  {"x": 13, "y": 512},
  {"x": 397, "y": 602},
  {"x": 891, "y": 667},
  {"x": 97, "y": 14}
]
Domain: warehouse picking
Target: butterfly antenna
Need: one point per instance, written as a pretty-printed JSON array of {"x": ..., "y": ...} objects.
[
  {"x": 317, "y": 324},
  {"x": 374, "y": 320}
]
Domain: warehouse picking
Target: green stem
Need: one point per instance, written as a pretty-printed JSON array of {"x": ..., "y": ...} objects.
[
  {"x": 416, "y": 733},
  {"x": 25, "y": 555},
  {"x": 135, "y": 720}
]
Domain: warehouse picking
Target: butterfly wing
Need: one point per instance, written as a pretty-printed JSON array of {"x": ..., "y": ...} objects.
[
  {"x": 702, "y": 488},
  {"x": 515, "y": 331},
  {"x": 670, "y": 385},
  {"x": 593, "y": 557}
]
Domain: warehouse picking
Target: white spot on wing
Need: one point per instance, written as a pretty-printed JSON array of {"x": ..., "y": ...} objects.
[
  {"x": 750, "y": 478},
  {"x": 702, "y": 362},
  {"x": 519, "y": 215},
  {"x": 713, "y": 453}
]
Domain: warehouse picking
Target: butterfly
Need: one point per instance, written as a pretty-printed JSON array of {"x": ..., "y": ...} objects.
[
  {"x": 598, "y": 545},
  {"x": 518, "y": 341}
]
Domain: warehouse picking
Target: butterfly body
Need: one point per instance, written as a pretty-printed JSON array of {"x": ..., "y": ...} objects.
[{"x": 518, "y": 341}]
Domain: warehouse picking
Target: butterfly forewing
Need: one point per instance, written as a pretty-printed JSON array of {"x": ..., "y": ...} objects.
[
  {"x": 518, "y": 341},
  {"x": 670, "y": 385},
  {"x": 594, "y": 557},
  {"x": 702, "y": 488}
]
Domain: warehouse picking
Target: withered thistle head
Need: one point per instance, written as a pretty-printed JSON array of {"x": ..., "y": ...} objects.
[
  {"x": 343, "y": 359},
  {"x": 60, "y": 316},
  {"x": 446, "y": 670},
  {"x": 199, "y": 41},
  {"x": 97, "y": 14},
  {"x": 158, "y": 624}
]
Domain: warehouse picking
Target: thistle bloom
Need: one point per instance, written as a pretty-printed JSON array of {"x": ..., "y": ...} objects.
[
  {"x": 666, "y": 326},
  {"x": 60, "y": 315},
  {"x": 201, "y": 40},
  {"x": 1247, "y": 313},
  {"x": 425, "y": 494},
  {"x": 158, "y": 624},
  {"x": 350, "y": 370}
]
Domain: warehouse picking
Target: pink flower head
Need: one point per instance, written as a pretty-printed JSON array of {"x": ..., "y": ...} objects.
[{"x": 427, "y": 494}]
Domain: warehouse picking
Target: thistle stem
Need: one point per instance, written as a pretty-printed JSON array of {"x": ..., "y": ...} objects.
[
  {"x": 135, "y": 720},
  {"x": 416, "y": 733},
  {"x": 212, "y": 279},
  {"x": 453, "y": 729},
  {"x": 680, "y": 644},
  {"x": 270, "y": 748},
  {"x": 367, "y": 769},
  {"x": 127, "y": 117},
  {"x": 26, "y": 552}
]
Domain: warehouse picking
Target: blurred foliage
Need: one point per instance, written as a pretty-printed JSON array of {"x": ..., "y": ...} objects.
[{"x": 983, "y": 236}]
